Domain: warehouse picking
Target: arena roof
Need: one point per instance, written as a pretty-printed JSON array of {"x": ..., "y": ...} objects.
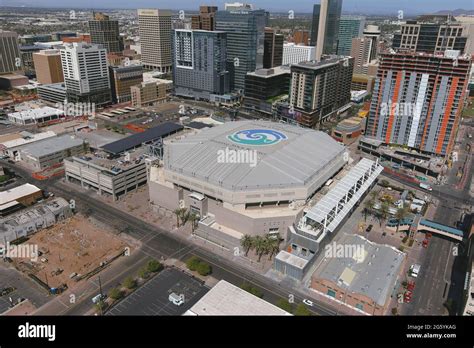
[{"x": 286, "y": 155}]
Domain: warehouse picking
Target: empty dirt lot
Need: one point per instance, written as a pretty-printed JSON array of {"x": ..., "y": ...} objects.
[{"x": 76, "y": 245}]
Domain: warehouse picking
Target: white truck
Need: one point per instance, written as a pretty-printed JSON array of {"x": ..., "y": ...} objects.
[{"x": 176, "y": 299}]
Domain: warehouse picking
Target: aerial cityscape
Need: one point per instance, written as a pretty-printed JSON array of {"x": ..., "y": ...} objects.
[{"x": 237, "y": 159}]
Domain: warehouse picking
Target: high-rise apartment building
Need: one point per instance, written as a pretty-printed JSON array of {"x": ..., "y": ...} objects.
[
  {"x": 86, "y": 73},
  {"x": 273, "y": 49},
  {"x": 325, "y": 26},
  {"x": 293, "y": 54},
  {"x": 122, "y": 78},
  {"x": 155, "y": 39},
  {"x": 430, "y": 36},
  {"x": 205, "y": 20},
  {"x": 365, "y": 51},
  {"x": 417, "y": 100},
  {"x": 200, "y": 63},
  {"x": 10, "y": 59},
  {"x": 105, "y": 32},
  {"x": 319, "y": 89},
  {"x": 48, "y": 66},
  {"x": 349, "y": 28},
  {"x": 245, "y": 30}
]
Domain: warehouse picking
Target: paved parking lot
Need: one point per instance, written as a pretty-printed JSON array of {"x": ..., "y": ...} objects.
[
  {"x": 25, "y": 288},
  {"x": 152, "y": 298}
]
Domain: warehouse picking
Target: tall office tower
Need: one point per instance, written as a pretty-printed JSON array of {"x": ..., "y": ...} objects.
[
  {"x": 301, "y": 37},
  {"x": 272, "y": 49},
  {"x": 155, "y": 39},
  {"x": 200, "y": 64},
  {"x": 320, "y": 89},
  {"x": 349, "y": 27},
  {"x": 86, "y": 73},
  {"x": 205, "y": 20},
  {"x": 48, "y": 66},
  {"x": 123, "y": 77},
  {"x": 105, "y": 32},
  {"x": 325, "y": 26},
  {"x": 237, "y": 6},
  {"x": 431, "y": 35},
  {"x": 365, "y": 51},
  {"x": 293, "y": 54},
  {"x": 417, "y": 100},
  {"x": 10, "y": 59},
  {"x": 245, "y": 41}
]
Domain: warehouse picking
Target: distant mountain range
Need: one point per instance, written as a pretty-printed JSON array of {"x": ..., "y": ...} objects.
[{"x": 456, "y": 12}]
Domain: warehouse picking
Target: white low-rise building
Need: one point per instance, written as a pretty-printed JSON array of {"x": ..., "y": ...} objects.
[
  {"x": 33, "y": 116},
  {"x": 294, "y": 54}
]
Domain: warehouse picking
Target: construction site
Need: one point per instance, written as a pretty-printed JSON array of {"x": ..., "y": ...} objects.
[{"x": 72, "y": 250}]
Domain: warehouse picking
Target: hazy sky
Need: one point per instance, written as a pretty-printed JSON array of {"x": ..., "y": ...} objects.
[{"x": 361, "y": 6}]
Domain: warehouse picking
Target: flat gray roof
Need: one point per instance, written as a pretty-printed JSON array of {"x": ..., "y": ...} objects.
[
  {"x": 287, "y": 156},
  {"x": 51, "y": 145},
  {"x": 372, "y": 275},
  {"x": 227, "y": 299}
]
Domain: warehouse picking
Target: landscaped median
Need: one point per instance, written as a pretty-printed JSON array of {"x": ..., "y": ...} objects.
[
  {"x": 129, "y": 285},
  {"x": 195, "y": 264}
]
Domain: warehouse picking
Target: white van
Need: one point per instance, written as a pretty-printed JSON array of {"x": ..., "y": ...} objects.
[{"x": 425, "y": 186}]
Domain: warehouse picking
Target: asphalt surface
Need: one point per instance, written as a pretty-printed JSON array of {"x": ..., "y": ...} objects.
[
  {"x": 152, "y": 297},
  {"x": 25, "y": 288},
  {"x": 163, "y": 244}
]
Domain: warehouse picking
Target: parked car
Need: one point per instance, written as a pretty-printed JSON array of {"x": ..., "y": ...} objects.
[
  {"x": 425, "y": 243},
  {"x": 369, "y": 228},
  {"x": 308, "y": 302},
  {"x": 6, "y": 291}
]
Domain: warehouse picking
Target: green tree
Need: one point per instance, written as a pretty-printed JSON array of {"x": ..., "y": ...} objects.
[
  {"x": 193, "y": 218},
  {"x": 383, "y": 213},
  {"x": 129, "y": 283},
  {"x": 401, "y": 214},
  {"x": 154, "y": 266},
  {"x": 178, "y": 213},
  {"x": 204, "y": 268},
  {"x": 192, "y": 263},
  {"x": 143, "y": 273},
  {"x": 247, "y": 243},
  {"x": 302, "y": 310},
  {"x": 101, "y": 306},
  {"x": 115, "y": 294},
  {"x": 261, "y": 246},
  {"x": 273, "y": 245},
  {"x": 184, "y": 216},
  {"x": 368, "y": 207}
]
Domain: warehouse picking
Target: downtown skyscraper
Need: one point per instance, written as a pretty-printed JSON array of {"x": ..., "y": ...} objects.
[
  {"x": 245, "y": 30},
  {"x": 325, "y": 26},
  {"x": 105, "y": 32},
  {"x": 155, "y": 39}
]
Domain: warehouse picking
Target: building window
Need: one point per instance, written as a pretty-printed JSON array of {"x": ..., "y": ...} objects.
[
  {"x": 331, "y": 293},
  {"x": 360, "y": 306}
]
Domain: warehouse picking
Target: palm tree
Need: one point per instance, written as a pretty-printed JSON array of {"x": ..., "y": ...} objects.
[
  {"x": 384, "y": 211},
  {"x": 247, "y": 242},
  {"x": 194, "y": 218},
  {"x": 401, "y": 214},
  {"x": 260, "y": 246},
  {"x": 177, "y": 212},
  {"x": 274, "y": 246},
  {"x": 368, "y": 207},
  {"x": 185, "y": 215}
]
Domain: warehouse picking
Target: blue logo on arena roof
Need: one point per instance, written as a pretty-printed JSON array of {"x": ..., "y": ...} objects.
[{"x": 257, "y": 137}]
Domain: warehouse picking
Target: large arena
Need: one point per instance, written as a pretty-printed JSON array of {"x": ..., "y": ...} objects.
[{"x": 245, "y": 177}]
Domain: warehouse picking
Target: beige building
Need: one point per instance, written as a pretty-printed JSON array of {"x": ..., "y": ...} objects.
[
  {"x": 48, "y": 66},
  {"x": 155, "y": 39},
  {"x": 148, "y": 93}
]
